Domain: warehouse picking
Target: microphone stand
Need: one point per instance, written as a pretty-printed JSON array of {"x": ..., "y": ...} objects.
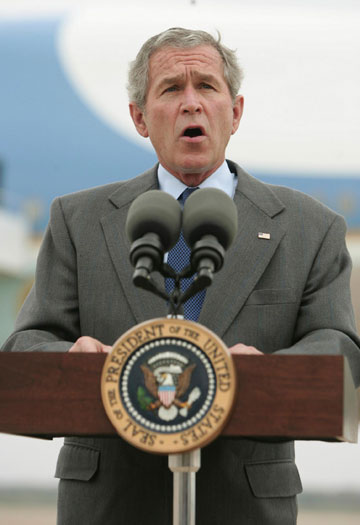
[{"x": 207, "y": 255}]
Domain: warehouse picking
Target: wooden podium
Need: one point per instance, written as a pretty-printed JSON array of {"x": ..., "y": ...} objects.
[
  {"x": 278, "y": 397},
  {"x": 48, "y": 394}
]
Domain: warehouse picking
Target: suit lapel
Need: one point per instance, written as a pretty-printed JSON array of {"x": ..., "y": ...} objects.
[
  {"x": 244, "y": 263},
  {"x": 143, "y": 304},
  {"x": 248, "y": 257}
]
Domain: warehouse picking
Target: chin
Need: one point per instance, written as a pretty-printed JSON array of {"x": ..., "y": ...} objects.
[
  {"x": 192, "y": 171},
  {"x": 197, "y": 172},
  {"x": 193, "y": 179}
]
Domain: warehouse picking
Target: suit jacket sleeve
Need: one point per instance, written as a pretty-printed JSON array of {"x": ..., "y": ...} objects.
[
  {"x": 49, "y": 318},
  {"x": 325, "y": 322}
]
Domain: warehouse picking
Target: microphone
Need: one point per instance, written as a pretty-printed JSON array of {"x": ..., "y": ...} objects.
[
  {"x": 153, "y": 227},
  {"x": 209, "y": 228}
]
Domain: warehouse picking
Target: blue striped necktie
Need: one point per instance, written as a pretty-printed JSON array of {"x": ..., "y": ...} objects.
[{"x": 178, "y": 259}]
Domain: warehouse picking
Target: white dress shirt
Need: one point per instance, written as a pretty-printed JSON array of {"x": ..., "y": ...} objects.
[{"x": 221, "y": 179}]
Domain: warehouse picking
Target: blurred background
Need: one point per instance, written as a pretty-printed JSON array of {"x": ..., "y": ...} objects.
[{"x": 64, "y": 126}]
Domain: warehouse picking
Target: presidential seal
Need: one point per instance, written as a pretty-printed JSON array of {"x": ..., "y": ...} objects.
[{"x": 168, "y": 385}]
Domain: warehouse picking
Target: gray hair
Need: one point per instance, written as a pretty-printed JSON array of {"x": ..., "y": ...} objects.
[{"x": 179, "y": 38}]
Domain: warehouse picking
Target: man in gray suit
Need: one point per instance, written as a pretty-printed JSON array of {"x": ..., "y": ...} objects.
[{"x": 285, "y": 292}]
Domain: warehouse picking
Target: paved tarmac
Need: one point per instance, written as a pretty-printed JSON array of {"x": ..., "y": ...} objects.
[{"x": 47, "y": 516}]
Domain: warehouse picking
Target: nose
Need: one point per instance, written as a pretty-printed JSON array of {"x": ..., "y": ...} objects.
[{"x": 191, "y": 103}]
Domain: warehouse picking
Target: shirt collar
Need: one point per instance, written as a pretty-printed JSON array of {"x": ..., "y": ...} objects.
[{"x": 221, "y": 179}]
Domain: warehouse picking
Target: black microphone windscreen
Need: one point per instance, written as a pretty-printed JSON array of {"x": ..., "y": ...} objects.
[
  {"x": 209, "y": 211},
  {"x": 155, "y": 211}
]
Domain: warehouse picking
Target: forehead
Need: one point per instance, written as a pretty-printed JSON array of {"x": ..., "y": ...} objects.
[{"x": 169, "y": 60}]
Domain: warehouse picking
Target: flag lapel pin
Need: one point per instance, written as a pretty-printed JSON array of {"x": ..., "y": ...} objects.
[{"x": 262, "y": 235}]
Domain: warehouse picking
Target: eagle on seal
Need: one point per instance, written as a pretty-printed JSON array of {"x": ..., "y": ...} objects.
[{"x": 167, "y": 388}]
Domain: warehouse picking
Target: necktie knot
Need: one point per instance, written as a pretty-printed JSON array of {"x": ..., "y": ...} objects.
[{"x": 185, "y": 194}]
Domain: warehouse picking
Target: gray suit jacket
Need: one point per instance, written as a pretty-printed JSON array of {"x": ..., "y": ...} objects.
[{"x": 288, "y": 294}]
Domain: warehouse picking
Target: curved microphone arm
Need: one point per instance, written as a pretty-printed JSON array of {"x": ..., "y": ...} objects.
[{"x": 142, "y": 279}]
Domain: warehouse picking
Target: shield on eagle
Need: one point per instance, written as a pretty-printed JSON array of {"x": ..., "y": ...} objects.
[{"x": 166, "y": 394}]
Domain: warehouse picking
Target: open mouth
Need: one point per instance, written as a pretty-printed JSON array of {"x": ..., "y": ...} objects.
[{"x": 193, "y": 132}]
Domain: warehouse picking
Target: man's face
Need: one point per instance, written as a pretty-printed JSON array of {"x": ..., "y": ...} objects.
[{"x": 189, "y": 115}]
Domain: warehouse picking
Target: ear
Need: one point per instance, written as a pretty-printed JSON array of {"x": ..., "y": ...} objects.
[
  {"x": 238, "y": 109},
  {"x": 138, "y": 119}
]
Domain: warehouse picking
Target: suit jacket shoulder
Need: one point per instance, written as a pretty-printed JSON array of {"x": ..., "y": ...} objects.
[
  {"x": 118, "y": 194},
  {"x": 273, "y": 199}
]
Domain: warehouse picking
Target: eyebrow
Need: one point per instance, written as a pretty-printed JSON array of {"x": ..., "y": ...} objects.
[
  {"x": 204, "y": 77},
  {"x": 171, "y": 80}
]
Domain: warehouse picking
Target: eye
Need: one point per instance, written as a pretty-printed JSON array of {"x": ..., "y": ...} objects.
[
  {"x": 204, "y": 85},
  {"x": 171, "y": 89}
]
